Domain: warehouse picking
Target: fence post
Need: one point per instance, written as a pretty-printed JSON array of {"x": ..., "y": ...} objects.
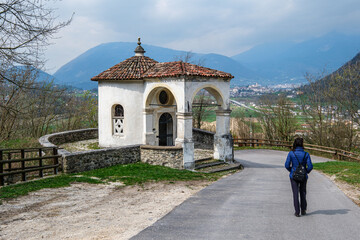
[
  {"x": 23, "y": 175},
  {"x": 9, "y": 164},
  {"x": 1, "y": 169},
  {"x": 56, "y": 160},
  {"x": 40, "y": 163}
]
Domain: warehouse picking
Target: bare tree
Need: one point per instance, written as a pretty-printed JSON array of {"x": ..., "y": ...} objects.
[
  {"x": 189, "y": 57},
  {"x": 344, "y": 88},
  {"x": 26, "y": 26},
  {"x": 202, "y": 106},
  {"x": 278, "y": 120},
  {"x": 331, "y": 106}
]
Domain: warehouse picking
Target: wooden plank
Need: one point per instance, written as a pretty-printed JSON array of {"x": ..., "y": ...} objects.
[
  {"x": 30, "y": 170},
  {"x": 26, "y": 149},
  {"x": 20, "y": 168},
  {"x": 320, "y": 150},
  {"x": 29, "y": 159}
]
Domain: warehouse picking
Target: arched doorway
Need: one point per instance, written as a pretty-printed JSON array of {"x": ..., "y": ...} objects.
[{"x": 166, "y": 130}]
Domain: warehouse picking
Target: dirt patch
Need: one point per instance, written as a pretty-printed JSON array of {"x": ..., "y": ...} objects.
[
  {"x": 351, "y": 191},
  {"x": 87, "y": 211}
]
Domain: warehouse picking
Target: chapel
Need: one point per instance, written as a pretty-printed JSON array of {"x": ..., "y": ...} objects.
[{"x": 142, "y": 101}]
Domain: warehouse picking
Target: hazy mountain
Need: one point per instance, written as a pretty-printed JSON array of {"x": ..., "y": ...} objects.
[
  {"x": 79, "y": 71},
  {"x": 268, "y": 64},
  {"x": 287, "y": 62},
  {"x": 36, "y": 74},
  {"x": 331, "y": 80}
]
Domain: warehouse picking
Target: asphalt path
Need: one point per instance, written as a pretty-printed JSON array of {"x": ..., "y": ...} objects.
[{"x": 256, "y": 203}]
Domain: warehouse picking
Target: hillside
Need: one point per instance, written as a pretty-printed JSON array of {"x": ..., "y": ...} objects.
[
  {"x": 79, "y": 71},
  {"x": 288, "y": 62},
  {"x": 36, "y": 74},
  {"x": 345, "y": 77}
]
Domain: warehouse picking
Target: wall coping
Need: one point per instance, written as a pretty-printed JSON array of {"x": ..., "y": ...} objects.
[
  {"x": 99, "y": 150},
  {"x": 46, "y": 140},
  {"x": 160, "y": 147}
]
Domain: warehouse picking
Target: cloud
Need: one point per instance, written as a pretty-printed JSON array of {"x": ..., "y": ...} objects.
[{"x": 220, "y": 26}]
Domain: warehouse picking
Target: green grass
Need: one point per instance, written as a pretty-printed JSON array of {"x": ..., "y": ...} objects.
[
  {"x": 345, "y": 171},
  {"x": 139, "y": 173},
  {"x": 94, "y": 146},
  {"x": 129, "y": 174}
]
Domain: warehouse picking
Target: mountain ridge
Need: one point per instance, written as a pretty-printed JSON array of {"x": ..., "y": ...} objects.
[
  {"x": 267, "y": 64},
  {"x": 106, "y": 55}
]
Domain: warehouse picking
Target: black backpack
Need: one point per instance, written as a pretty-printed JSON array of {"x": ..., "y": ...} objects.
[{"x": 299, "y": 175}]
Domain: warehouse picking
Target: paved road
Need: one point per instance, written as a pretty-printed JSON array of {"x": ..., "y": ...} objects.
[{"x": 256, "y": 203}]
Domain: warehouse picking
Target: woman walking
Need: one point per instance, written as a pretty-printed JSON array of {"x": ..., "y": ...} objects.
[{"x": 295, "y": 157}]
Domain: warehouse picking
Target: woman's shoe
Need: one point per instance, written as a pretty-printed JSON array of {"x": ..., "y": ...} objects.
[
  {"x": 303, "y": 212},
  {"x": 297, "y": 215}
]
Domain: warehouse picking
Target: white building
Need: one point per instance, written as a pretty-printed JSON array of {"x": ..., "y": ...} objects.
[{"x": 142, "y": 101}]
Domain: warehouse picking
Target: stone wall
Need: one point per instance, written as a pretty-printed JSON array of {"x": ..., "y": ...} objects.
[
  {"x": 89, "y": 160},
  {"x": 169, "y": 156},
  {"x": 203, "y": 139}
]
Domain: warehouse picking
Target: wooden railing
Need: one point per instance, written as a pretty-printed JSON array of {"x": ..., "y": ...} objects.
[
  {"x": 335, "y": 152},
  {"x": 26, "y": 161}
]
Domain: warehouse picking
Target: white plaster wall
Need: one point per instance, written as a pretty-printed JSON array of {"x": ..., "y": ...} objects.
[{"x": 130, "y": 96}]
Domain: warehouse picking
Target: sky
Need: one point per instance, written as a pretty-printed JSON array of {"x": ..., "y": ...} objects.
[{"x": 226, "y": 27}]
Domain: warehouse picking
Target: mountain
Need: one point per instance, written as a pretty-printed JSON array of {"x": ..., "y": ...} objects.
[
  {"x": 36, "y": 74},
  {"x": 79, "y": 71},
  {"x": 344, "y": 79},
  {"x": 287, "y": 62}
]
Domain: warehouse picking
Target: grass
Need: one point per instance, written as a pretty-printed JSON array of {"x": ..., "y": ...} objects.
[
  {"x": 94, "y": 146},
  {"x": 129, "y": 174},
  {"x": 139, "y": 173},
  {"x": 344, "y": 171}
]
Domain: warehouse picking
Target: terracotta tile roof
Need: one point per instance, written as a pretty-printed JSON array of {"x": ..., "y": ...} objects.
[
  {"x": 173, "y": 69},
  {"x": 140, "y": 67},
  {"x": 131, "y": 68}
]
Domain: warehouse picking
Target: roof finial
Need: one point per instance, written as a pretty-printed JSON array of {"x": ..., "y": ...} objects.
[{"x": 139, "y": 51}]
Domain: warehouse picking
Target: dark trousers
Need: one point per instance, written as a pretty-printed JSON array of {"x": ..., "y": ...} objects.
[{"x": 296, "y": 189}]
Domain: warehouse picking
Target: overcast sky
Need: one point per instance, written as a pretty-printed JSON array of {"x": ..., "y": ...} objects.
[{"x": 225, "y": 27}]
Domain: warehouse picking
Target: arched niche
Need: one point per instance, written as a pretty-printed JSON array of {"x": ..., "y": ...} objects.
[{"x": 158, "y": 94}]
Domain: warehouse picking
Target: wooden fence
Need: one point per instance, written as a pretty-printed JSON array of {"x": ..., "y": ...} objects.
[
  {"x": 24, "y": 162},
  {"x": 335, "y": 152}
]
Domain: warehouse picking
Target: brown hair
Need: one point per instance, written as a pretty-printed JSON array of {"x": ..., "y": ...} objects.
[{"x": 298, "y": 142}]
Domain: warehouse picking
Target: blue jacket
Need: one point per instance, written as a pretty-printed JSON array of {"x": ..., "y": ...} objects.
[{"x": 291, "y": 162}]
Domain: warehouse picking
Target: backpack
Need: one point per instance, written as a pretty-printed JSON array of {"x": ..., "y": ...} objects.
[{"x": 299, "y": 175}]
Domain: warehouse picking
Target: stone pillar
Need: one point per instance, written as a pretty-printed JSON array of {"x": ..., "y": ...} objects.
[
  {"x": 150, "y": 136},
  {"x": 223, "y": 143},
  {"x": 184, "y": 138}
]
